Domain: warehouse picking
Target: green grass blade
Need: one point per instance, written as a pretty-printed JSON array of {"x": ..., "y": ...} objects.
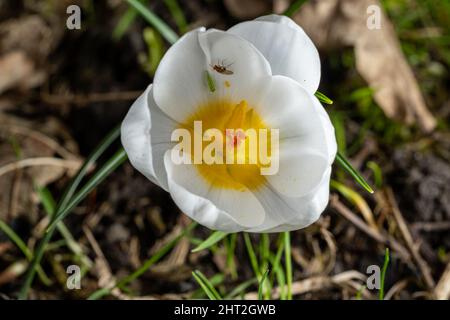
[
  {"x": 111, "y": 165},
  {"x": 155, "y": 47},
  {"x": 323, "y": 98},
  {"x": 206, "y": 285},
  {"x": 66, "y": 197},
  {"x": 14, "y": 237},
  {"x": 240, "y": 289},
  {"x": 383, "y": 274},
  {"x": 352, "y": 171},
  {"x": 230, "y": 246},
  {"x": 124, "y": 23},
  {"x": 215, "y": 280},
  {"x": 156, "y": 257},
  {"x": 377, "y": 173},
  {"x": 252, "y": 255},
  {"x": 155, "y": 21},
  {"x": 293, "y": 8},
  {"x": 281, "y": 279},
  {"x": 215, "y": 237},
  {"x": 49, "y": 205},
  {"x": 177, "y": 14},
  {"x": 261, "y": 284},
  {"x": 359, "y": 293},
  {"x": 288, "y": 260},
  {"x": 145, "y": 266},
  {"x": 90, "y": 161}
]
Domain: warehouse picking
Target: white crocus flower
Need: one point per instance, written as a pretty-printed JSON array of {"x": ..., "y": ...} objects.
[{"x": 260, "y": 74}]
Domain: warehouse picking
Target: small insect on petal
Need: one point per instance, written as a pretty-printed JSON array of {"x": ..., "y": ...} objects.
[
  {"x": 222, "y": 68},
  {"x": 210, "y": 82}
]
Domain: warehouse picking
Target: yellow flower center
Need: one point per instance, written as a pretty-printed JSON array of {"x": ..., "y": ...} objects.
[{"x": 233, "y": 120}]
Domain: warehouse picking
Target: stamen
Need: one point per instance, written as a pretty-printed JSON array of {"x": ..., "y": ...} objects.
[{"x": 237, "y": 118}]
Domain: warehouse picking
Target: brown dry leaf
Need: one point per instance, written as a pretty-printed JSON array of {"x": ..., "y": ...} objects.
[
  {"x": 29, "y": 34},
  {"x": 379, "y": 59},
  {"x": 17, "y": 70},
  {"x": 30, "y": 156},
  {"x": 247, "y": 9},
  {"x": 25, "y": 44}
]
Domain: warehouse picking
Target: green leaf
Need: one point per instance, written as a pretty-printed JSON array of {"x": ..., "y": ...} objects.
[
  {"x": 352, "y": 171},
  {"x": 124, "y": 23},
  {"x": 49, "y": 205},
  {"x": 206, "y": 285},
  {"x": 145, "y": 266},
  {"x": 293, "y": 8},
  {"x": 155, "y": 21},
  {"x": 323, "y": 98},
  {"x": 98, "y": 177},
  {"x": 215, "y": 237},
  {"x": 240, "y": 289},
  {"x": 288, "y": 259},
  {"x": 215, "y": 280},
  {"x": 383, "y": 273},
  {"x": 251, "y": 254},
  {"x": 66, "y": 197},
  {"x": 177, "y": 14},
  {"x": 155, "y": 47},
  {"x": 14, "y": 237},
  {"x": 377, "y": 173},
  {"x": 261, "y": 284}
]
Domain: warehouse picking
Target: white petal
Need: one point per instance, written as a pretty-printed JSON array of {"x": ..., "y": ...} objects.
[
  {"x": 305, "y": 136},
  {"x": 180, "y": 84},
  {"x": 145, "y": 135},
  {"x": 240, "y": 57},
  {"x": 300, "y": 169},
  {"x": 287, "y": 213},
  {"x": 286, "y": 46},
  {"x": 219, "y": 209},
  {"x": 330, "y": 137}
]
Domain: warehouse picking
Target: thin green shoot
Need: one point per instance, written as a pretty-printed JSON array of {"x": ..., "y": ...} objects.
[
  {"x": 215, "y": 280},
  {"x": 125, "y": 22},
  {"x": 145, "y": 266},
  {"x": 215, "y": 237},
  {"x": 252, "y": 255},
  {"x": 383, "y": 274},
  {"x": 206, "y": 285},
  {"x": 359, "y": 292},
  {"x": 293, "y": 8},
  {"x": 15, "y": 238},
  {"x": 377, "y": 173},
  {"x": 262, "y": 284},
  {"x": 49, "y": 204},
  {"x": 352, "y": 171},
  {"x": 111, "y": 165},
  {"x": 177, "y": 14},
  {"x": 155, "y": 21},
  {"x": 240, "y": 289},
  {"x": 288, "y": 261},
  {"x": 66, "y": 197},
  {"x": 230, "y": 245},
  {"x": 323, "y": 98}
]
